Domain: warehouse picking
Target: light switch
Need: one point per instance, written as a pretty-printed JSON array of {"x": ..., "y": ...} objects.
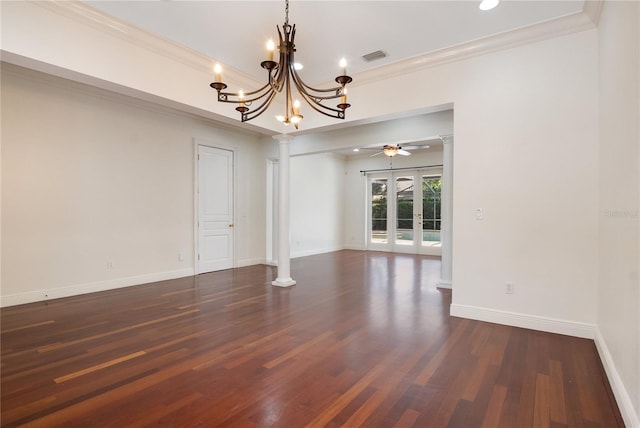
[{"x": 479, "y": 214}]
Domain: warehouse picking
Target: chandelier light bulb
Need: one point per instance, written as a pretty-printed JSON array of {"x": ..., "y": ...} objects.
[
  {"x": 270, "y": 49},
  {"x": 343, "y": 66},
  {"x": 241, "y": 98},
  {"x": 217, "y": 71}
]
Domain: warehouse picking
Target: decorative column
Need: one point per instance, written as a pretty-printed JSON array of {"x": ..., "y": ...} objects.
[
  {"x": 446, "y": 210},
  {"x": 284, "y": 258}
]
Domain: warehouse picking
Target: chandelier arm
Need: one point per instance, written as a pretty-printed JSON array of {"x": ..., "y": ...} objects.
[
  {"x": 262, "y": 91},
  {"x": 312, "y": 99},
  {"x": 339, "y": 114},
  {"x": 252, "y": 114},
  {"x": 337, "y": 90},
  {"x": 279, "y": 76},
  {"x": 319, "y": 107}
]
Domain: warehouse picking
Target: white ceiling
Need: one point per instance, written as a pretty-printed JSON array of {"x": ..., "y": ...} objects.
[{"x": 235, "y": 32}]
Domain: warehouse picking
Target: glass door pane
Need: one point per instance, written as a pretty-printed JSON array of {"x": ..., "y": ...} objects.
[
  {"x": 431, "y": 220},
  {"x": 404, "y": 210},
  {"x": 379, "y": 211}
]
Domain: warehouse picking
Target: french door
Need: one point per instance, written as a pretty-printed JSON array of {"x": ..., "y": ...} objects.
[{"x": 404, "y": 212}]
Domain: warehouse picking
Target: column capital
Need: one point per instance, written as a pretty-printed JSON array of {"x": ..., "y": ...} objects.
[
  {"x": 446, "y": 139},
  {"x": 283, "y": 138}
]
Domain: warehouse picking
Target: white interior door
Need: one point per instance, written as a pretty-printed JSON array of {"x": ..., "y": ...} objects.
[{"x": 215, "y": 209}]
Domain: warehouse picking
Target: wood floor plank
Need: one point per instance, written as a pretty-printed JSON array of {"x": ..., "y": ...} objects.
[
  {"x": 100, "y": 366},
  {"x": 363, "y": 339},
  {"x": 557, "y": 409},
  {"x": 492, "y": 416},
  {"x": 541, "y": 412}
]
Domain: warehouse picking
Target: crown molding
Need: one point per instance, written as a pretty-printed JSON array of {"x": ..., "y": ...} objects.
[
  {"x": 525, "y": 35},
  {"x": 100, "y": 21},
  {"x": 585, "y": 20},
  {"x": 593, "y": 9}
]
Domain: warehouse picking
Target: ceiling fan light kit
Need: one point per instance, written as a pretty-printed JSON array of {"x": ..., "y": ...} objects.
[
  {"x": 392, "y": 150},
  {"x": 281, "y": 76}
]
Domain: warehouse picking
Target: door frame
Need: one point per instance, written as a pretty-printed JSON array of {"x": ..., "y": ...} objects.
[
  {"x": 390, "y": 245},
  {"x": 196, "y": 208}
]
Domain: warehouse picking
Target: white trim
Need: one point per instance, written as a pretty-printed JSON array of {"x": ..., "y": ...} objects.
[
  {"x": 91, "y": 287},
  {"x": 271, "y": 231},
  {"x": 583, "y": 20},
  {"x": 557, "y": 27},
  {"x": 283, "y": 282},
  {"x": 123, "y": 30},
  {"x": 315, "y": 251},
  {"x": 251, "y": 262},
  {"x": 448, "y": 285},
  {"x": 357, "y": 247},
  {"x": 196, "y": 211},
  {"x": 625, "y": 404},
  {"x": 533, "y": 322}
]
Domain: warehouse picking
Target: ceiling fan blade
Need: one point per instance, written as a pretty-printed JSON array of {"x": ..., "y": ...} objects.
[
  {"x": 403, "y": 152},
  {"x": 375, "y": 154},
  {"x": 423, "y": 146}
]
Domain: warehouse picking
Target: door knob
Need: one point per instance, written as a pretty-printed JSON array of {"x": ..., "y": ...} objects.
[{"x": 231, "y": 225}]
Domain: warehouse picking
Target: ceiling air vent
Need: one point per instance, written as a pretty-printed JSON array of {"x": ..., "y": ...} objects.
[{"x": 373, "y": 56}]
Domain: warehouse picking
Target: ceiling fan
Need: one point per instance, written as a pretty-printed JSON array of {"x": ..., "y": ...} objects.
[{"x": 392, "y": 150}]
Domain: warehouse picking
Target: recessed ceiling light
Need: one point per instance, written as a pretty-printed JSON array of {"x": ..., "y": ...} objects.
[
  {"x": 356, "y": 150},
  {"x": 488, "y": 4}
]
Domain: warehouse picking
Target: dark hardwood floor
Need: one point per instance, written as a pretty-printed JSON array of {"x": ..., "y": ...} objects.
[{"x": 363, "y": 339}]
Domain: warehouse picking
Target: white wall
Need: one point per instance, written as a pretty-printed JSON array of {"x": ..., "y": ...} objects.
[
  {"x": 317, "y": 189},
  {"x": 90, "y": 177},
  {"x": 619, "y": 218},
  {"x": 525, "y": 152}
]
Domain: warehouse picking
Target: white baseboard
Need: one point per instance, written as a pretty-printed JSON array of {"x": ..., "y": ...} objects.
[
  {"x": 533, "y": 322},
  {"x": 91, "y": 287},
  {"x": 625, "y": 404},
  {"x": 313, "y": 252},
  {"x": 355, "y": 247},
  {"x": 250, "y": 262}
]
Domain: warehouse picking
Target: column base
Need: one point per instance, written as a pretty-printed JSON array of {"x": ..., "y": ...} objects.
[
  {"x": 444, "y": 284},
  {"x": 283, "y": 282}
]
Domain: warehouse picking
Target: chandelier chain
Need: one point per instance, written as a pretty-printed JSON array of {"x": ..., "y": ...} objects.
[{"x": 286, "y": 12}]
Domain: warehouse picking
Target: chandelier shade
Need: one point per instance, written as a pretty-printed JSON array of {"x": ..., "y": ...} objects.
[{"x": 282, "y": 76}]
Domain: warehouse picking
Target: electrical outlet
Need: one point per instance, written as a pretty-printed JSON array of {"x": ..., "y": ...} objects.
[
  {"x": 180, "y": 257},
  {"x": 508, "y": 289},
  {"x": 109, "y": 264}
]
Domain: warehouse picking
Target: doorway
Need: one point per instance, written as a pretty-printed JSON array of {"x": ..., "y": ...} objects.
[
  {"x": 215, "y": 209},
  {"x": 404, "y": 212}
]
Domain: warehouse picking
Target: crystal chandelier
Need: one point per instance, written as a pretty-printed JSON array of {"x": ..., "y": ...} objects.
[{"x": 281, "y": 75}]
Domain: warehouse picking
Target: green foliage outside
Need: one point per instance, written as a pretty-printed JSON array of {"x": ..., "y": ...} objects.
[{"x": 431, "y": 192}]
